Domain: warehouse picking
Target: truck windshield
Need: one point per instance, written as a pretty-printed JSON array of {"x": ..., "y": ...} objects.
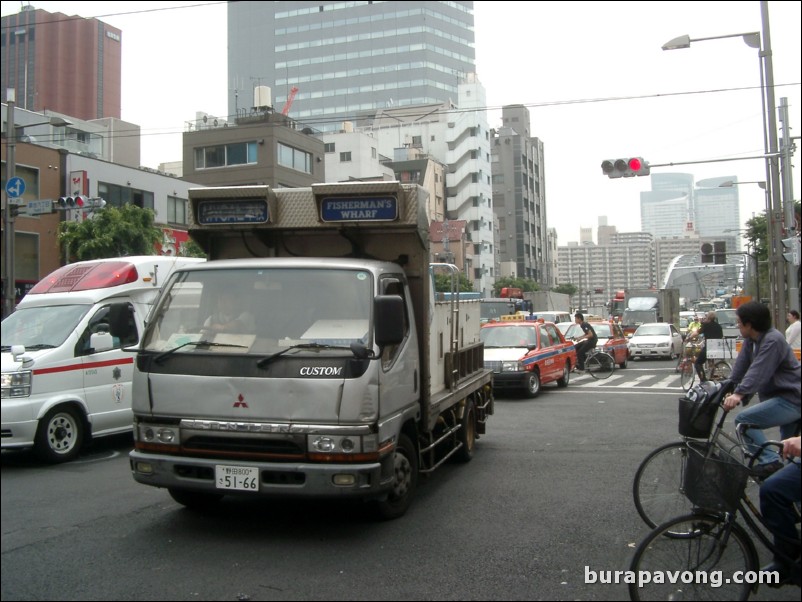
[
  {"x": 261, "y": 311},
  {"x": 42, "y": 327},
  {"x": 493, "y": 309}
]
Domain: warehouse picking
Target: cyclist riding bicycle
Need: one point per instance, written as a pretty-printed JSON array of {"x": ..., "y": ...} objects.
[
  {"x": 584, "y": 343},
  {"x": 710, "y": 329},
  {"x": 766, "y": 365}
]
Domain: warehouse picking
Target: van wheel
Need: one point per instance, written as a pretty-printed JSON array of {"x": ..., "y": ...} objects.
[
  {"x": 195, "y": 500},
  {"x": 59, "y": 436},
  {"x": 405, "y": 480},
  {"x": 467, "y": 434}
]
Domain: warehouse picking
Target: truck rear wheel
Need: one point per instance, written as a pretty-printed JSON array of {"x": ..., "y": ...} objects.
[
  {"x": 60, "y": 435},
  {"x": 195, "y": 500},
  {"x": 467, "y": 434},
  {"x": 405, "y": 480}
]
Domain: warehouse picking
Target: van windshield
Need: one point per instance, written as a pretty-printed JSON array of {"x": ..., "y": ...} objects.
[
  {"x": 42, "y": 327},
  {"x": 260, "y": 311}
]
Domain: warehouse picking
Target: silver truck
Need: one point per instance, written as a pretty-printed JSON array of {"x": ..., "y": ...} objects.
[{"x": 338, "y": 373}]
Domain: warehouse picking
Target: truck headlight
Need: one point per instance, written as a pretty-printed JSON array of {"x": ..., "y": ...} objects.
[
  {"x": 16, "y": 384},
  {"x": 342, "y": 448},
  {"x": 157, "y": 434}
]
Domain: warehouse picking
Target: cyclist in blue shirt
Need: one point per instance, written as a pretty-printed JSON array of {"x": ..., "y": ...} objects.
[{"x": 766, "y": 365}]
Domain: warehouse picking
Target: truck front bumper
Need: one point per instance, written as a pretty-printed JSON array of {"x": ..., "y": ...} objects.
[{"x": 277, "y": 479}]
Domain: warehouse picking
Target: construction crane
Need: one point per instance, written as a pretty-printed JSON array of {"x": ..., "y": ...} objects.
[{"x": 290, "y": 98}]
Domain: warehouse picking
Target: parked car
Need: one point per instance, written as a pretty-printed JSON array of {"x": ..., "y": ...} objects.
[
  {"x": 526, "y": 354},
  {"x": 655, "y": 339},
  {"x": 611, "y": 338}
]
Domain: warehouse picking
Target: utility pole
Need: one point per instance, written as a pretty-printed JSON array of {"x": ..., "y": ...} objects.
[
  {"x": 789, "y": 219},
  {"x": 10, "y": 292},
  {"x": 777, "y": 278}
]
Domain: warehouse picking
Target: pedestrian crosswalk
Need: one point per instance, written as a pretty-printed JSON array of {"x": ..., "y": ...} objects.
[{"x": 622, "y": 379}]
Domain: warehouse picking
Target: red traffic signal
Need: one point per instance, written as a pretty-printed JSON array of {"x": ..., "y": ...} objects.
[{"x": 625, "y": 168}]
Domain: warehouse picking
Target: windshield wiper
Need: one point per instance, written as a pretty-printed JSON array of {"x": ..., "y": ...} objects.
[
  {"x": 39, "y": 346},
  {"x": 159, "y": 358},
  {"x": 266, "y": 360}
]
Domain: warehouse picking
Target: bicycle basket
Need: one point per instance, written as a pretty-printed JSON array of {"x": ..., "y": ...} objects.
[
  {"x": 714, "y": 479},
  {"x": 697, "y": 410}
]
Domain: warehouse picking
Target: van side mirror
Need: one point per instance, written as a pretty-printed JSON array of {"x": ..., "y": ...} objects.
[{"x": 100, "y": 341}]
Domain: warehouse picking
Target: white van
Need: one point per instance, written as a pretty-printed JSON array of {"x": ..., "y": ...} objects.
[
  {"x": 65, "y": 376},
  {"x": 554, "y": 316}
]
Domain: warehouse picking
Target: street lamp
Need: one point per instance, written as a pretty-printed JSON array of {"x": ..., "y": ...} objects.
[
  {"x": 774, "y": 210},
  {"x": 10, "y": 292}
]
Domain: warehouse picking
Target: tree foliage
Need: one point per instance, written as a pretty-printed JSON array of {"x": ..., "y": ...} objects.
[
  {"x": 565, "y": 289},
  {"x": 110, "y": 232},
  {"x": 442, "y": 283},
  {"x": 524, "y": 284}
]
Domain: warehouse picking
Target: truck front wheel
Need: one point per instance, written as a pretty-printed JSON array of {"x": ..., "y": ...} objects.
[
  {"x": 59, "y": 436},
  {"x": 405, "y": 480},
  {"x": 467, "y": 434}
]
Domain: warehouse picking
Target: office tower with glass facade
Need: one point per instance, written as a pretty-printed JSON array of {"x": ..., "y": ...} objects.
[{"x": 347, "y": 59}]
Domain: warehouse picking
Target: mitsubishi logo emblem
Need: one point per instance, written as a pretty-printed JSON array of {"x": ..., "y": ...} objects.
[{"x": 240, "y": 403}]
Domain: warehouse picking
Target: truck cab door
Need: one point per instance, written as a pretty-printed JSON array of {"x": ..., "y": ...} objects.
[{"x": 400, "y": 366}]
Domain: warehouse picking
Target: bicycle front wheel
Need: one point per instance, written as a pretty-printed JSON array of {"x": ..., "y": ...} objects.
[
  {"x": 658, "y": 486},
  {"x": 700, "y": 565},
  {"x": 687, "y": 374},
  {"x": 600, "y": 365}
]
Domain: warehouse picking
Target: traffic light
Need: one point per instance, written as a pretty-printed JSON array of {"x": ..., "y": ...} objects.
[
  {"x": 66, "y": 203},
  {"x": 791, "y": 250},
  {"x": 707, "y": 252},
  {"x": 720, "y": 252},
  {"x": 625, "y": 168},
  {"x": 71, "y": 202}
]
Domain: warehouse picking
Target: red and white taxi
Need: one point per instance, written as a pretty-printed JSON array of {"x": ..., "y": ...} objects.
[
  {"x": 611, "y": 339},
  {"x": 526, "y": 354}
]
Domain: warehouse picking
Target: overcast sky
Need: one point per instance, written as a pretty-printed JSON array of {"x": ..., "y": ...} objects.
[{"x": 594, "y": 76}]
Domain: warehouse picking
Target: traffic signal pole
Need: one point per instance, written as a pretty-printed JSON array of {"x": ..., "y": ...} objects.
[{"x": 10, "y": 290}]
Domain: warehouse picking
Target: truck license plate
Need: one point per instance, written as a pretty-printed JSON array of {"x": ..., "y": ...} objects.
[{"x": 243, "y": 478}]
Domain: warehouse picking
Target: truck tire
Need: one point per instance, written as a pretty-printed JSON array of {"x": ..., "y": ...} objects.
[
  {"x": 467, "y": 434},
  {"x": 60, "y": 435},
  {"x": 195, "y": 500},
  {"x": 563, "y": 382},
  {"x": 405, "y": 481},
  {"x": 532, "y": 384}
]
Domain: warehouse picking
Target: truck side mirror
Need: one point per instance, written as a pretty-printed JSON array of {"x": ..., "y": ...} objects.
[{"x": 388, "y": 319}]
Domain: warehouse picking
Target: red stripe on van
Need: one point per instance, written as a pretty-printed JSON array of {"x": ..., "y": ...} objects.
[{"x": 127, "y": 360}]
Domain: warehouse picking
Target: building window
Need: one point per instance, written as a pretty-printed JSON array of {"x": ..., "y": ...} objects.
[
  {"x": 294, "y": 158},
  {"x": 176, "y": 210},
  {"x": 345, "y": 157},
  {"x": 240, "y": 153},
  {"x": 119, "y": 196},
  {"x": 328, "y": 147},
  {"x": 373, "y": 153},
  {"x": 417, "y": 140}
]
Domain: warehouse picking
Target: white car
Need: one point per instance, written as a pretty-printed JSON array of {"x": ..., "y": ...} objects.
[{"x": 656, "y": 339}]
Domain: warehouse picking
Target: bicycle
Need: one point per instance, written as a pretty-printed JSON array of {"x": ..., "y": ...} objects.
[
  {"x": 707, "y": 546},
  {"x": 598, "y": 363},
  {"x": 658, "y": 487},
  {"x": 715, "y": 369}
]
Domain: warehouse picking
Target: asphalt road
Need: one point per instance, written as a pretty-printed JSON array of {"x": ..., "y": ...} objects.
[{"x": 547, "y": 494}]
